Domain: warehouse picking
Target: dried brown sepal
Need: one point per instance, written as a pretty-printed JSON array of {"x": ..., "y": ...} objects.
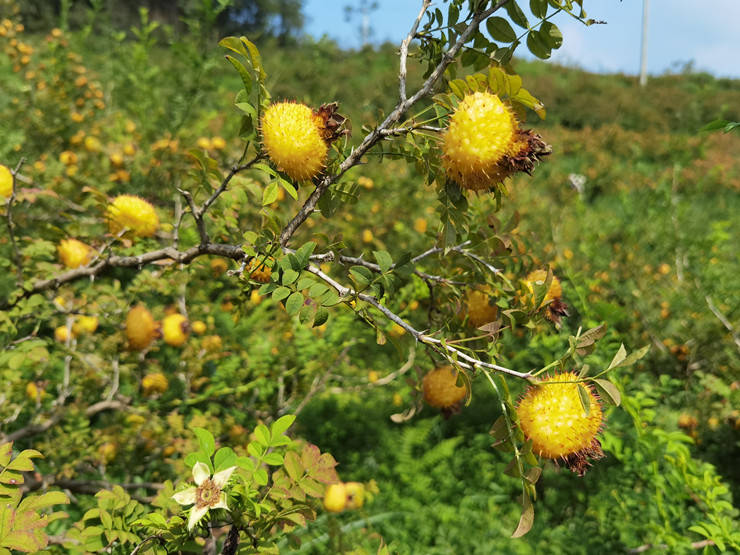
[
  {"x": 556, "y": 311},
  {"x": 335, "y": 125},
  {"x": 580, "y": 461}
]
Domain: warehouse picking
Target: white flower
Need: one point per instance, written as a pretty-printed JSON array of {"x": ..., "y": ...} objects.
[{"x": 206, "y": 494}]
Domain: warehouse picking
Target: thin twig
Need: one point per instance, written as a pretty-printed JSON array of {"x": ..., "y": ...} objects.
[
  {"x": 405, "y": 50},
  {"x": 722, "y": 318},
  {"x": 448, "y": 351}
]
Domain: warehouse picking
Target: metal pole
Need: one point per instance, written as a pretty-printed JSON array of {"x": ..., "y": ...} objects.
[{"x": 643, "y": 49}]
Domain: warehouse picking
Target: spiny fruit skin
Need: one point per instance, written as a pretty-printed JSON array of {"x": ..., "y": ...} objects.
[
  {"x": 335, "y": 498},
  {"x": 479, "y": 307},
  {"x": 292, "y": 137},
  {"x": 175, "y": 330},
  {"x": 259, "y": 270},
  {"x": 6, "y": 182},
  {"x": 74, "y": 253},
  {"x": 441, "y": 389},
  {"x": 134, "y": 214},
  {"x": 155, "y": 382},
  {"x": 482, "y": 130},
  {"x": 141, "y": 329},
  {"x": 552, "y": 416}
]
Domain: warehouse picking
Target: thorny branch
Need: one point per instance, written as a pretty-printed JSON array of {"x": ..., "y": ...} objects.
[
  {"x": 453, "y": 354},
  {"x": 379, "y": 132}
]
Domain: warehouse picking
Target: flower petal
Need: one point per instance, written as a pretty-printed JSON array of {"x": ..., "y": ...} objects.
[
  {"x": 185, "y": 497},
  {"x": 220, "y": 478},
  {"x": 200, "y": 473},
  {"x": 196, "y": 513},
  {"x": 221, "y": 503}
]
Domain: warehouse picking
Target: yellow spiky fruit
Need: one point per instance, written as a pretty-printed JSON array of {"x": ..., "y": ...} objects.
[
  {"x": 153, "y": 383},
  {"x": 141, "y": 328},
  {"x": 132, "y": 213},
  {"x": 481, "y": 131},
  {"x": 552, "y": 415},
  {"x": 335, "y": 498},
  {"x": 538, "y": 277},
  {"x": 85, "y": 324},
  {"x": 6, "y": 182},
  {"x": 259, "y": 270},
  {"x": 479, "y": 307},
  {"x": 74, "y": 253},
  {"x": 440, "y": 388},
  {"x": 292, "y": 137},
  {"x": 175, "y": 330}
]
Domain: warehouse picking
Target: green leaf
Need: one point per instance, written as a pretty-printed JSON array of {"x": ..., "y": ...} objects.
[
  {"x": 516, "y": 14},
  {"x": 289, "y": 276},
  {"x": 538, "y": 45},
  {"x": 305, "y": 283},
  {"x": 618, "y": 358},
  {"x": 500, "y": 29},
  {"x": 304, "y": 253},
  {"x": 262, "y": 435},
  {"x": 552, "y": 36},
  {"x": 224, "y": 458},
  {"x": 384, "y": 260},
  {"x": 363, "y": 276},
  {"x": 6, "y": 452},
  {"x": 294, "y": 303},
  {"x": 281, "y": 293},
  {"x": 321, "y": 316},
  {"x": 270, "y": 194},
  {"x": 205, "y": 440},
  {"x": 608, "y": 391},
  {"x": 585, "y": 397},
  {"x": 281, "y": 425},
  {"x": 247, "y": 78},
  {"x": 273, "y": 459},
  {"x": 634, "y": 357},
  {"x": 23, "y": 461},
  {"x": 538, "y": 8},
  {"x": 526, "y": 520}
]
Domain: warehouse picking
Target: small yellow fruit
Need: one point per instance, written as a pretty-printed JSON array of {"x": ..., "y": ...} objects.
[
  {"x": 198, "y": 327},
  {"x": 335, "y": 498},
  {"x": 218, "y": 266},
  {"x": 204, "y": 143},
  {"x": 355, "y": 492},
  {"x": 68, "y": 158},
  {"x": 116, "y": 158},
  {"x": 291, "y": 134},
  {"x": 420, "y": 225},
  {"x": 441, "y": 389},
  {"x": 539, "y": 277},
  {"x": 212, "y": 343},
  {"x": 92, "y": 144},
  {"x": 74, "y": 253},
  {"x": 373, "y": 376},
  {"x": 175, "y": 330},
  {"x": 33, "y": 392},
  {"x": 480, "y": 133},
  {"x": 479, "y": 307},
  {"x": 6, "y": 182},
  {"x": 141, "y": 329},
  {"x": 154, "y": 383},
  {"x": 259, "y": 270},
  {"x": 552, "y": 416},
  {"x": 129, "y": 212},
  {"x": 367, "y": 236},
  {"x": 107, "y": 452},
  {"x": 218, "y": 143},
  {"x": 61, "y": 334},
  {"x": 397, "y": 400},
  {"x": 85, "y": 324}
]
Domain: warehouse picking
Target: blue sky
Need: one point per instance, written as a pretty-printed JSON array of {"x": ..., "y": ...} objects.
[{"x": 706, "y": 33}]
